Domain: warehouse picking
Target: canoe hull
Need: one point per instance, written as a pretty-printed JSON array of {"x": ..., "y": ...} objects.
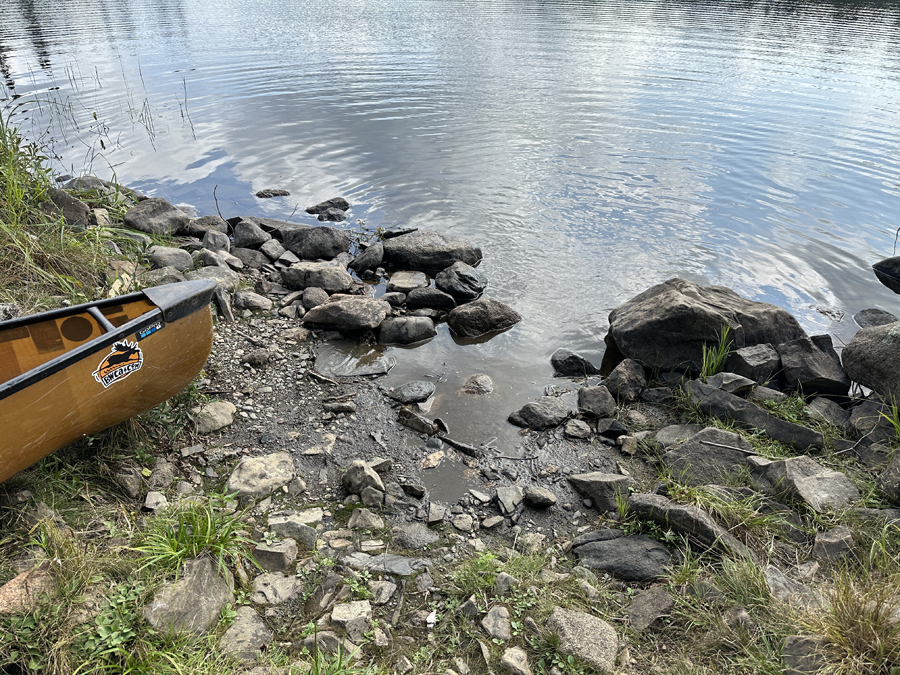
[{"x": 103, "y": 388}]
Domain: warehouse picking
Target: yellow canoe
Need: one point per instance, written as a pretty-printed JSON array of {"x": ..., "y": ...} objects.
[{"x": 72, "y": 372}]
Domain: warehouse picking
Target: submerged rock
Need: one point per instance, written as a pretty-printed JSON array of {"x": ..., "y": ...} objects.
[
  {"x": 481, "y": 317},
  {"x": 567, "y": 363}
]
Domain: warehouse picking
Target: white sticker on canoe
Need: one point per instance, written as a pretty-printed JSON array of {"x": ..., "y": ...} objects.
[{"x": 124, "y": 359}]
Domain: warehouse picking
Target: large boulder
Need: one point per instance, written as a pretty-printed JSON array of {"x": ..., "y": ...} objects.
[
  {"x": 872, "y": 358},
  {"x": 156, "y": 216},
  {"x": 802, "y": 478},
  {"x": 666, "y": 326},
  {"x": 429, "y": 251},
  {"x": 632, "y": 558},
  {"x": 316, "y": 243},
  {"x": 325, "y": 275},
  {"x": 812, "y": 366},
  {"x": 249, "y": 234},
  {"x": 482, "y": 316},
  {"x": 74, "y": 211},
  {"x": 349, "y": 313}
]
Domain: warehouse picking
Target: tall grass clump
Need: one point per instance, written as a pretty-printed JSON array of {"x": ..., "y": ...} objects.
[
  {"x": 713, "y": 360},
  {"x": 41, "y": 256}
]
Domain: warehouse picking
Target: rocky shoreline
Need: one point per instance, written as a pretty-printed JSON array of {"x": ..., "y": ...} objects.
[{"x": 619, "y": 471}]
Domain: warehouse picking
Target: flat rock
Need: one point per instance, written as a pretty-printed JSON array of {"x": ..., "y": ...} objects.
[
  {"x": 350, "y": 313},
  {"x": 496, "y": 623},
  {"x": 539, "y": 497},
  {"x": 509, "y": 498},
  {"x": 256, "y": 477},
  {"x": 867, "y": 318},
  {"x": 252, "y": 301},
  {"x": 404, "y": 281},
  {"x": 224, "y": 277},
  {"x": 413, "y": 536},
  {"x": 711, "y": 456},
  {"x": 578, "y": 429},
  {"x": 329, "y": 276},
  {"x": 727, "y": 406},
  {"x": 429, "y": 251},
  {"x": 412, "y": 392},
  {"x": 677, "y": 433},
  {"x": 805, "y": 479},
  {"x": 168, "y": 256},
  {"x": 602, "y": 488},
  {"x": 732, "y": 383},
  {"x": 24, "y": 591},
  {"x": 430, "y": 298},
  {"x": 786, "y": 589},
  {"x": 277, "y": 556},
  {"x": 667, "y": 325},
  {"x": 632, "y": 558},
  {"x": 586, "y": 637},
  {"x": 482, "y": 316},
  {"x": 273, "y": 588},
  {"x": 385, "y": 563}
]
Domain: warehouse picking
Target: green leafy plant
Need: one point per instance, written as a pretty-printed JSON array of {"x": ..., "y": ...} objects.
[
  {"x": 477, "y": 574},
  {"x": 713, "y": 360},
  {"x": 115, "y": 627},
  {"x": 187, "y": 531}
]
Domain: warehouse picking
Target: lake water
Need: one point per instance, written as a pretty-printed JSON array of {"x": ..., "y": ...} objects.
[{"x": 592, "y": 149}]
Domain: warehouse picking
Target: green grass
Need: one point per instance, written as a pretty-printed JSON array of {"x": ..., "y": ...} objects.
[{"x": 713, "y": 359}]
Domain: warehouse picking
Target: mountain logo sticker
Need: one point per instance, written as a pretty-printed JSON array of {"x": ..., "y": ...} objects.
[{"x": 124, "y": 359}]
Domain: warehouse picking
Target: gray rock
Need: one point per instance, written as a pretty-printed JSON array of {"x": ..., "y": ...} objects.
[
  {"x": 462, "y": 281},
  {"x": 369, "y": 259},
  {"x": 868, "y": 419},
  {"x": 430, "y": 298},
  {"x": 252, "y": 301},
  {"x": 649, "y": 606},
  {"x": 248, "y": 234},
  {"x": 549, "y": 411},
  {"x": 711, "y": 456},
  {"x": 515, "y": 661},
  {"x": 384, "y": 563},
  {"x": 406, "y": 330},
  {"x": 602, "y": 488},
  {"x": 348, "y": 612},
  {"x": 198, "y": 227},
  {"x": 463, "y": 522},
  {"x": 394, "y": 299},
  {"x": 358, "y": 476},
  {"x": 811, "y": 365},
  {"x": 677, "y": 433},
  {"x": 732, "y": 383},
  {"x": 872, "y": 358},
  {"x": 214, "y": 240},
  {"x": 578, "y": 429},
  {"x": 60, "y": 203},
  {"x": 338, "y": 203},
  {"x": 413, "y": 536},
  {"x": 326, "y": 275},
  {"x": 786, "y": 589},
  {"x": 688, "y": 520},
  {"x": 256, "y": 477},
  {"x": 626, "y": 381},
  {"x": 167, "y": 256},
  {"x": 828, "y": 411},
  {"x": 313, "y": 297},
  {"x": 250, "y": 257},
  {"x": 293, "y": 524},
  {"x": 803, "y": 478},
  {"x": 272, "y": 248},
  {"x": 363, "y": 519},
  {"x": 760, "y": 363},
  {"x": 803, "y": 655},
  {"x": 156, "y": 216},
  {"x": 597, "y": 401},
  {"x": 504, "y": 583},
  {"x": 349, "y": 313},
  {"x": 316, "y": 243},
  {"x": 225, "y": 278},
  {"x": 867, "y": 318},
  {"x": 215, "y": 416},
  {"x": 667, "y": 325},
  {"x": 193, "y": 603},
  {"x": 406, "y": 281},
  {"x": 248, "y": 635},
  {"x": 154, "y": 501},
  {"x": 633, "y": 558},
  {"x": 429, "y": 251},
  {"x": 889, "y": 481},
  {"x": 833, "y": 545},
  {"x": 478, "y": 385},
  {"x": 539, "y": 497},
  {"x": 567, "y": 363},
  {"x": 586, "y": 637},
  {"x": 496, "y": 624},
  {"x": 727, "y": 406},
  {"x": 412, "y": 392},
  {"x": 382, "y": 591},
  {"x": 276, "y": 557},
  {"x": 481, "y": 317},
  {"x": 273, "y": 588},
  {"x": 509, "y": 498}
]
